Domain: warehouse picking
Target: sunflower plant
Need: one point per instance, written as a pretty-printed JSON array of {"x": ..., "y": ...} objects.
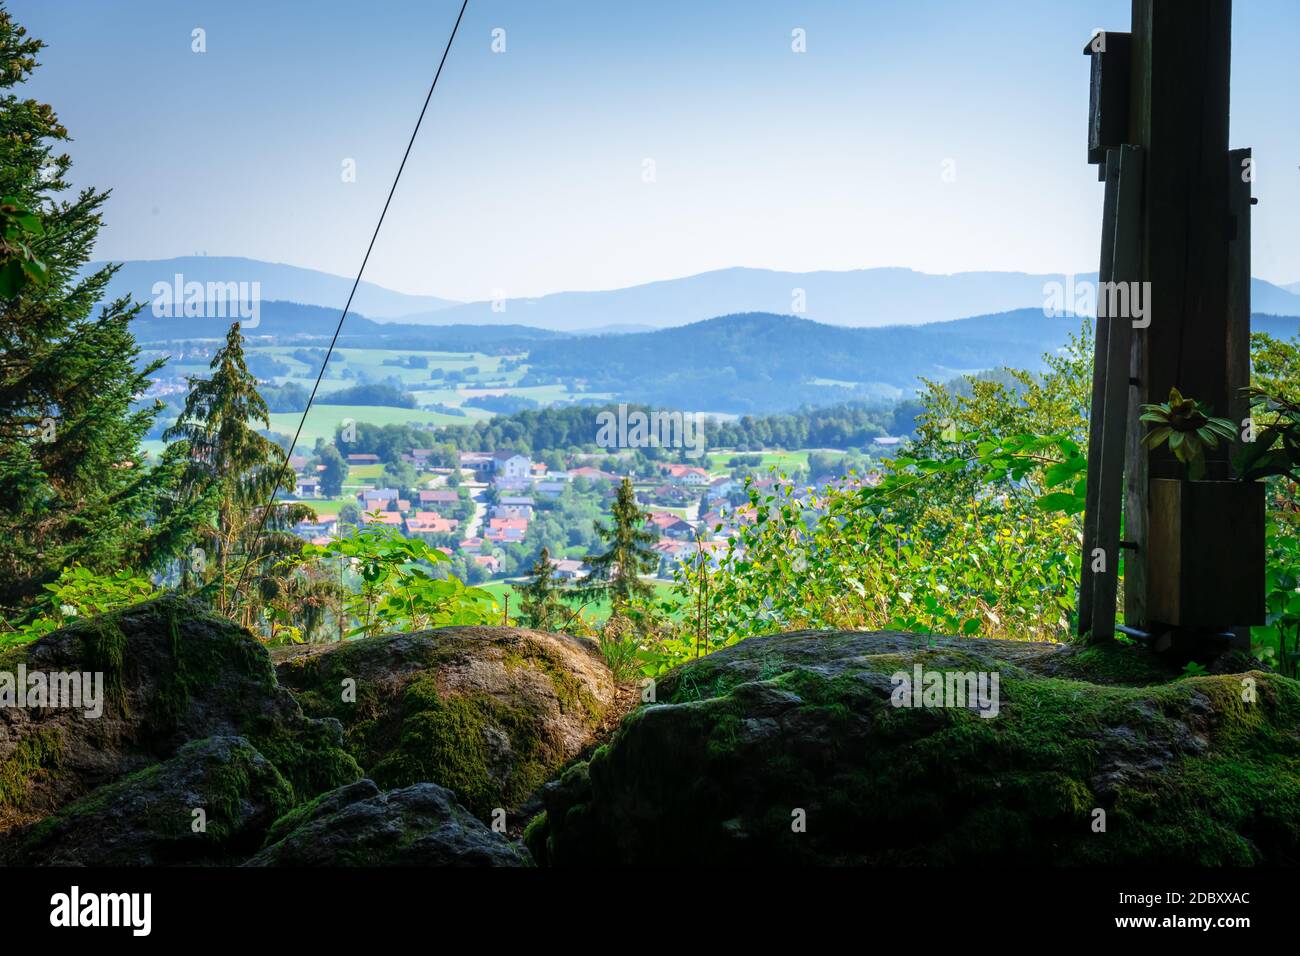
[{"x": 1189, "y": 429}]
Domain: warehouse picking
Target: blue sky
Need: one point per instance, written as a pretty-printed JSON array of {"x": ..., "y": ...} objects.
[{"x": 528, "y": 174}]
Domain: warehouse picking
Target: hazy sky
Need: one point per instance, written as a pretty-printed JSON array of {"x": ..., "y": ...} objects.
[{"x": 528, "y": 176}]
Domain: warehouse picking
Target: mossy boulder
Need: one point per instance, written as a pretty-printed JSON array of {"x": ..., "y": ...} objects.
[
  {"x": 794, "y": 749},
  {"x": 149, "y": 817},
  {"x": 357, "y": 825},
  {"x": 488, "y": 712},
  {"x": 171, "y": 673}
]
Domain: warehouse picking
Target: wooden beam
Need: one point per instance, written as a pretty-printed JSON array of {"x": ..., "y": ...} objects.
[
  {"x": 1237, "y": 344},
  {"x": 1178, "y": 112},
  {"x": 1240, "y": 177},
  {"x": 1126, "y": 267},
  {"x": 1096, "y": 414}
]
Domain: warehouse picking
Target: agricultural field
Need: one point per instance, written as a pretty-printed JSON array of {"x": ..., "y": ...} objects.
[
  {"x": 323, "y": 419},
  {"x": 594, "y": 612}
]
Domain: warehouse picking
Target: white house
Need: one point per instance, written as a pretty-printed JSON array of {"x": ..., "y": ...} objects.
[{"x": 511, "y": 464}]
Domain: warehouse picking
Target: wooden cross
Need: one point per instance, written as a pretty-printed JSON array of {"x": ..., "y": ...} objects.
[{"x": 1175, "y": 234}]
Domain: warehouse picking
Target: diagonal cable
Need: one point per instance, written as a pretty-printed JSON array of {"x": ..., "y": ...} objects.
[{"x": 252, "y": 548}]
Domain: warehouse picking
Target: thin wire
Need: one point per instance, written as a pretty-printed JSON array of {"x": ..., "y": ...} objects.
[{"x": 252, "y": 548}]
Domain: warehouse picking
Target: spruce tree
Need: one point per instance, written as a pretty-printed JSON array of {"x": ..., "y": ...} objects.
[
  {"x": 74, "y": 484},
  {"x": 617, "y": 572},
  {"x": 540, "y": 598},
  {"x": 235, "y": 471}
]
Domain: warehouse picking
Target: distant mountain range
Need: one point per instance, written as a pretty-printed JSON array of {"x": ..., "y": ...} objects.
[
  {"x": 278, "y": 282},
  {"x": 861, "y": 298}
]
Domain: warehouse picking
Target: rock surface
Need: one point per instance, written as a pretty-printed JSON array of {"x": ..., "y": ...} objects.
[
  {"x": 489, "y": 712},
  {"x": 357, "y": 825},
  {"x": 172, "y": 673},
  {"x": 148, "y": 817},
  {"x": 790, "y": 749}
]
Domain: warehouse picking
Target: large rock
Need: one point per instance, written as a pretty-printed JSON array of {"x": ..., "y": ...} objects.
[
  {"x": 489, "y": 712},
  {"x": 791, "y": 749},
  {"x": 172, "y": 673},
  {"x": 357, "y": 825},
  {"x": 149, "y": 817}
]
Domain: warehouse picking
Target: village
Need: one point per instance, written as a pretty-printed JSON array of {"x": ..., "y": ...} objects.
[{"x": 487, "y": 507}]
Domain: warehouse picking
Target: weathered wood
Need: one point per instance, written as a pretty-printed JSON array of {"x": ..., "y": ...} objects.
[
  {"x": 1135, "y": 490},
  {"x": 1108, "y": 93},
  {"x": 1178, "y": 112},
  {"x": 1240, "y": 176},
  {"x": 1126, "y": 264},
  {"x": 1096, "y": 414},
  {"x": 1207, "y": 553},
  {"x": 1238, "y": 330}
]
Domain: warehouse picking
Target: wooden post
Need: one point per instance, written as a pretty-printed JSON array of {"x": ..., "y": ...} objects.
[
  {"x": 1237, "y": 345},
  {"x": 1185, "y": 247},
  {"x": 1096, "y": 414},
  {"x": 1178, "y": 113},
  {"x": 1125, "y": 266}
]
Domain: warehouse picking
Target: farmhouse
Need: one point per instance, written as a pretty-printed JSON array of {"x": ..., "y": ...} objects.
[
  {"x": 510, "y": 506},
  {"x": 511, "y": 464},
  {"x": 439, "y": 499},
  {"x": 670, "y": 525},
  {"x": 430, "y": 522},
  {"x": 506, "y": 530},
  {"x": 591, "y": 474},
  {"x": 688, "y": 475},
  {"x": 569, "y": 569},
  {"x": 478, "y": 462}
]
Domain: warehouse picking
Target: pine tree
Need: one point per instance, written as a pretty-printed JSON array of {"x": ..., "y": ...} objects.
[
  {"x": 540, "y": 598},
  {"x": 235, "y": 471},
  {"x": 74, "y": 486},
  {"x": 618, "y": 571}
]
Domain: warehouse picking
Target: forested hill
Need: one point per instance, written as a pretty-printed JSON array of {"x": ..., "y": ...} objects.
[{"x": 759, "y": 361}]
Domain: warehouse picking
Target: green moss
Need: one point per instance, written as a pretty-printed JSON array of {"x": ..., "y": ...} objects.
[
  {"x": 306, "y": 755},
  {"x": 452, "y": 740},
  {"x": 37, "y": 753},
  {"x": 228, "y": 786},
  {"x": 1114, "y": 663},
  {"x": 290, "y": 819},
  {"x": 569, "y": 690},
  {"x": 1186, "y": 769},
  {"x": 103, "y": 649}
]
